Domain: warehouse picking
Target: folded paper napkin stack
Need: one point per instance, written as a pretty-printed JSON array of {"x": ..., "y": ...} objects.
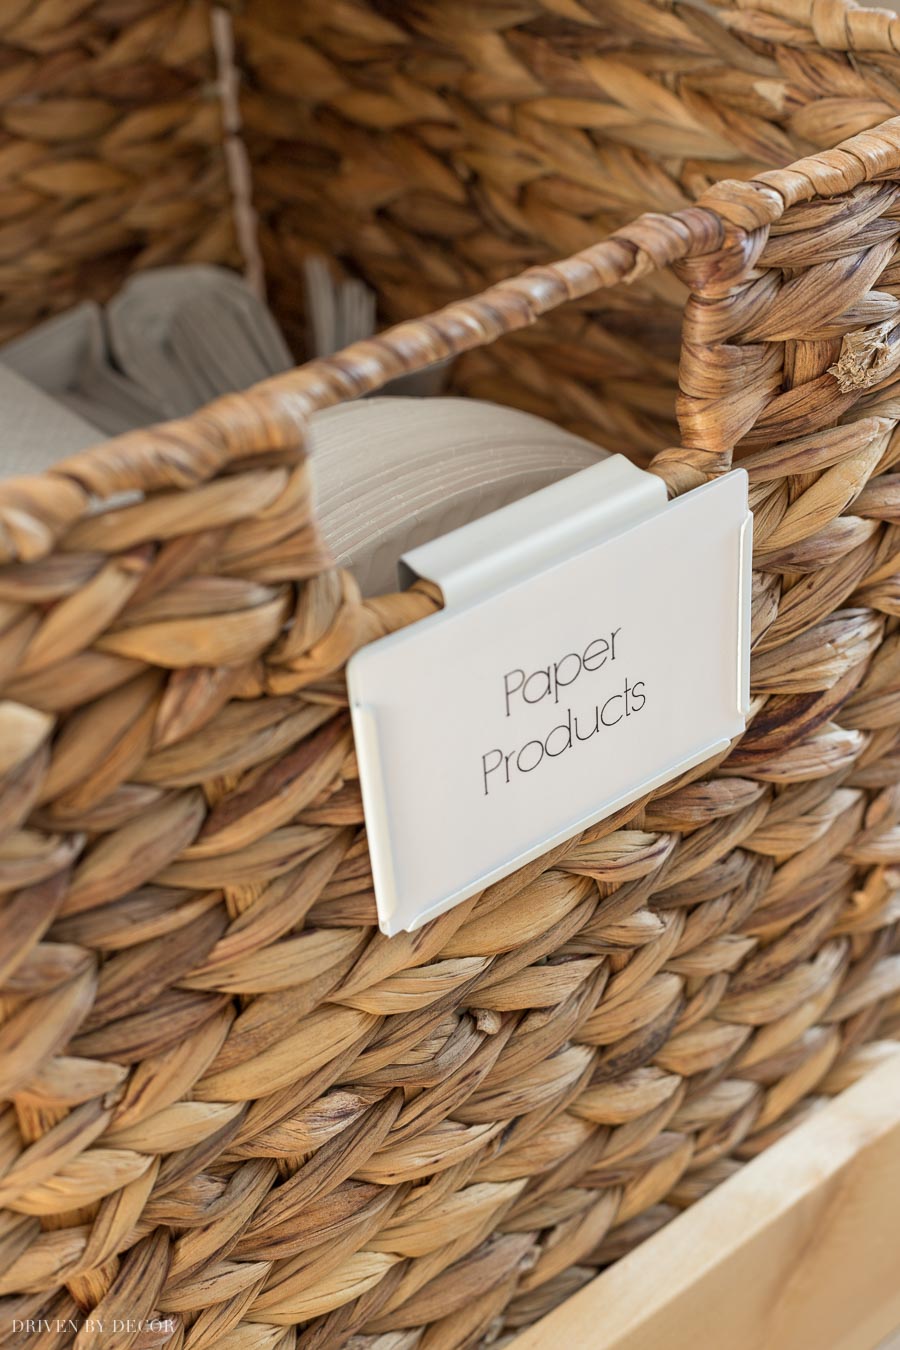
[
  {"x": 171, "y": 340},
  {"x": 391, "y": 473}
]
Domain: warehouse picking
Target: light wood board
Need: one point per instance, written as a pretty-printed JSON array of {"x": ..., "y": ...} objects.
[{"x": 800, "y": 1250}]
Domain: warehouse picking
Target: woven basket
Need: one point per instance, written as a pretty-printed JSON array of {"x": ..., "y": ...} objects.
[
  {"x": 110, "y": 149},
  {"x": 238, "y": 1109},
  {"x": 440, "y": 145}
]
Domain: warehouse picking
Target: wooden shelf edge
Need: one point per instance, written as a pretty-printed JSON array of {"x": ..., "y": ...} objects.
[{"x": 800, "y": 1250}]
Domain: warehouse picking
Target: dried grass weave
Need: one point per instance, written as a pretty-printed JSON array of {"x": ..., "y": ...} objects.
[
  {"x": 231, "y": 1103},
  {"x": 441, "y": 145},
  {"x": 110, "y": 149}
]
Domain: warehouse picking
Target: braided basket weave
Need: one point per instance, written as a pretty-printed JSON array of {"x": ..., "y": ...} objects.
[
  {"x": 110, "y": 149},
  {"x": 236, "y": 1108},
  {"x": 440, "y": 145}
]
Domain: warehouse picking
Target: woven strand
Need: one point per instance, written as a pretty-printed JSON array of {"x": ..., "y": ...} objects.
[
  {"x": 440, "y": 146},
  {"x": 111, "y": 153}
]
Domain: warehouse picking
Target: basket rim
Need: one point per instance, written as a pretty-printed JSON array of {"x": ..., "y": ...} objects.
[{"x": 269, "y": 418}]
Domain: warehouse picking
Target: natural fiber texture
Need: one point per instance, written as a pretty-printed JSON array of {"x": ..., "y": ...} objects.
[
  {"x": 110, "y": 149},
  {"x": 441, "y": 145},
  {"x": 236, "y": 1106}
]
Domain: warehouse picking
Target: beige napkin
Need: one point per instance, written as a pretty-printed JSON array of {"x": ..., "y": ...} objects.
[
  {"x": 173, "y": 339},
  {"x": 186, "y": 334},
  {"x": 67, "y": 357},
  {"x": 394, "y": 473},
  {"x": 36, "y": 430}
]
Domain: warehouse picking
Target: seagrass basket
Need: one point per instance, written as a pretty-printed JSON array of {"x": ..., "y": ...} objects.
[
  {"x": 239, "y": 1116},
  {"x": 440, "y": 145}
]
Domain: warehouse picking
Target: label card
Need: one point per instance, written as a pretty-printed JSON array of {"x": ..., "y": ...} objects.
[{"x": 594, "y": 645}]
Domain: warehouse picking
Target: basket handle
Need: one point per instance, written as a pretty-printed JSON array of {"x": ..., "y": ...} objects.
[
  {"x": 710, "y": 244},
  {"x": 270, "y": 417},
  {"x": 714, "y": 376}
]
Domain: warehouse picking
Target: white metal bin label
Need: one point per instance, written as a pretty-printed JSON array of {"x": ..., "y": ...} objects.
[{"x": 594, "y": 644}]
